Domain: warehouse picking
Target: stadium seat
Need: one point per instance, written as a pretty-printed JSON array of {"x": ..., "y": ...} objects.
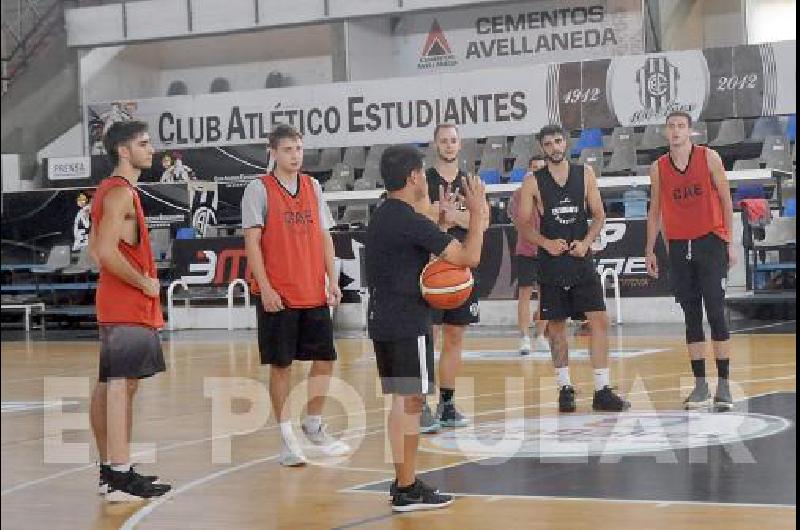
[
  {"x": 775, "y": 153},
  {"x": 310, "y": 159},
  {"x": 591, "y": 137},
  {"x": 791, "y": 128},
  {"x": 523, "y": 146},
  {"x": 187, "y": 232},
  {"x": 374, "y": 156},
  {"x": 654, "y": 137},
  {"x": 731, "y": 132},
  {"x": 328, "y": 158},
  {"x": 623, "y": 136},
  {"x": 765, "y": 127},
  {"x": 364, "y": 184},
  {"x": 219, "y": 84},
  {"x": 495, "y": 143},
  {"x": 623, "y": 160},
  {"x": 634, "y": 202},
  {"x": 343, "y": 172},
  {"x": 748, "y": 191},
  {"x": 747, "y": 164},
  {"x": 177, "y": 88},
  {"x": 593, "y": 156},
  {"x": 517, "y": 174},
  {"x": 469, "y": 151},
  {"x": 355, "y": 214},
  {"x": 700, "y": 133},
  {"x": 790, "y": 207},
  {"x": 333, "y": 185},
  {"x": 490, "y": 176},
  {"x": 492, "y": 159},
  {"x": 355, "y": 157}
]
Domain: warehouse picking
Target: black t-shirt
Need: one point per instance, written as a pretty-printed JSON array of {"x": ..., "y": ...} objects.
[
  {"x": 398, "y": 245},
  {"x": 435, "y": 180}
]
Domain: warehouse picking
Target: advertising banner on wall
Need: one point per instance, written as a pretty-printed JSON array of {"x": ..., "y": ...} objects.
[
  {"x": 218, "y": 261},
  {"x": 502, "y": 35},
  {"x": 744, "y": 81}
]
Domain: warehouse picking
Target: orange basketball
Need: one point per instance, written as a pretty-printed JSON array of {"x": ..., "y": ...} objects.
[{"x": 444, "y": 285}]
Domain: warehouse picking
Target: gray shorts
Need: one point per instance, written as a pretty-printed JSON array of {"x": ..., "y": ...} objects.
[{"x": 129, "y": 352}]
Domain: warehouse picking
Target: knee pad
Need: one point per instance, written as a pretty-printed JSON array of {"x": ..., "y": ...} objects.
[{"x": 693, "y": 315}]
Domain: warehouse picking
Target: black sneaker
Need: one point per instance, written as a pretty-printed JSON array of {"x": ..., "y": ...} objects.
[
  {"x": 130, "y": 486},
  {"x": 723, "y": 402},
  {"x": 566, "y": 399},
  {"x": 102, "y": 484},
  {"x": 606, "y": 400},
  {"x": 699, "y": 398},
  {"x": 419, "y": 497},
  {"x": 449, "y": 416}
]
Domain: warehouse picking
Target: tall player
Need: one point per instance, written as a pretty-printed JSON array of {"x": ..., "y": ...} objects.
[
  {"x": 291, "y": 254},
  {"x": 566, "y": 195},
  {"x": 128, "y": 310},
  {"x": 451, "y": 324},
  {"x": 399, "y": 243},
  {"x": 691, "y": 198}
]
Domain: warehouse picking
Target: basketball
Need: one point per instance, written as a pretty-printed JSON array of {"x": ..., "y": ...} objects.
[{"x": 444, "y": 285}]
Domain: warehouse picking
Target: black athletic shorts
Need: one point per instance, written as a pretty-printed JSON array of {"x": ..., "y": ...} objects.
[
  {"x": 129, "y": 351},
  {"x": 405, "y": 366},
  {"x": 559, "y": 303},
  {"x": 701, "y": 273},
  {"x": 527, "y": 271},
  {"x": 468, "y": 313},
  {"x": 295, "y": 335}
]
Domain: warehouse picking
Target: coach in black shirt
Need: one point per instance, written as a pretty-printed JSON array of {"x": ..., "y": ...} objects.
[{"x": 400, "y": 242}]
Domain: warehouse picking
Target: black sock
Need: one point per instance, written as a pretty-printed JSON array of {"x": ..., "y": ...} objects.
[
  {"x": 723, "y": 368},
  {"x": 446, "y": 395},
  {"x": 699, "y": 369}
]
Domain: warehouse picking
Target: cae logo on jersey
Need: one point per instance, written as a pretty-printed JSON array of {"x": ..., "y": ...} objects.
[
  {"x": 298, "y": 218},
  {"x": 686, "y": 193}
]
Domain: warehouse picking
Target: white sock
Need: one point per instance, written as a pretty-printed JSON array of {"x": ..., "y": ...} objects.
[
  {"x": 121, "y": 468},
  {"x": 601, "y": 378},
  {"x": 313, "y": 423},
  {"x": 287, "y": 434},
  {"x": 562, "y": 377}
]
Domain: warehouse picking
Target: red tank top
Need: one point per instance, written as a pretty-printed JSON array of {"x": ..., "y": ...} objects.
[
  {"x": 291, "y": 244},
  {"x": 690, "y": 204},
  {"x": 117, "y": 301}
]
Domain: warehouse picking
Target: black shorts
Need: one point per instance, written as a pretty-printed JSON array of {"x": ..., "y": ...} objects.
[
  {"x": 405, "y": 366},
  {"x": 704, "y": 276},
  {"x": 295, "y": 335},
  {"x": 467, "y": 313},
  {"x": 559, "y": 303},
  {"x": 527, "y": 271},
  {"x": 130, "y": 352}
]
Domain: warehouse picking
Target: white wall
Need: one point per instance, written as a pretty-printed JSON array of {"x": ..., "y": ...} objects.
[
  {"x": 68, "y": 144},
  {"x": 697, "y": 24},
  {"x": 249, "y": 76},
  {"x": 123, "y": 77},
  {"x": 771, "y": 20}
]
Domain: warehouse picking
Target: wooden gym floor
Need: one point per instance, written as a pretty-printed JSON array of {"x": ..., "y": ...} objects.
[{"x": 724, "y": 483}]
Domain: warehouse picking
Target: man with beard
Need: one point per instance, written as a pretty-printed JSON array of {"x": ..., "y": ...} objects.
[{"x": 565, "y": 195}]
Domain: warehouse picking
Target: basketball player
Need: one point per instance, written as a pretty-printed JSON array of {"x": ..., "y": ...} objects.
[
  {"x": 691, "y": 198},
  {"x": 527, "y": 273},
  {"x": 128, "y": 311},
  {"x": 565, "y": 195},
  {"x": 451, "y": 324},
  {"x": 291, "y": 254},
  {"x": 399, "y": 243}
]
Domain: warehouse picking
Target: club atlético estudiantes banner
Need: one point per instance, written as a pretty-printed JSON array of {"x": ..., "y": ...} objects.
[{"x": 743, "y": 81}]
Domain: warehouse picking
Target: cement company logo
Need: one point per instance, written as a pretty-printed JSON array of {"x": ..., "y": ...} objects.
[{"x": 436, "y": 52}]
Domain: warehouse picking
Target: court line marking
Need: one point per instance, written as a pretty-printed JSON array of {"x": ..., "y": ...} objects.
[
  {"x": 658, "y": 502},
  {"x": 143, "y": 512},
  {"x": 765, "y": 326},
  {"x": 265, "y": 429}
]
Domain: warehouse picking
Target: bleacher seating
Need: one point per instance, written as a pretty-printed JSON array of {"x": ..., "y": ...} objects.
[
  {"x": 731, "y": 132},
  {"x": 764, "y": 127},
  {"x": 589, "y": 138}
]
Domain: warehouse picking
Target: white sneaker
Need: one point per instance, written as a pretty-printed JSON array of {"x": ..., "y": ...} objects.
[
  {"x": 525, "y": 346},
  {"x": 542, "y": 344},
  {"x": 326, "y": 443},
  {"x": 292, "y": 458}
]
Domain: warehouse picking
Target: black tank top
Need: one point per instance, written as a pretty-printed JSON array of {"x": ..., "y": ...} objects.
[
  {"x": 435, "y": 179},
  {"x": 565, "y": 217}
]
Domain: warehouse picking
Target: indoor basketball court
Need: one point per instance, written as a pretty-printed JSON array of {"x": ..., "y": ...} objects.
[{"x": 457, "y": 264}]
